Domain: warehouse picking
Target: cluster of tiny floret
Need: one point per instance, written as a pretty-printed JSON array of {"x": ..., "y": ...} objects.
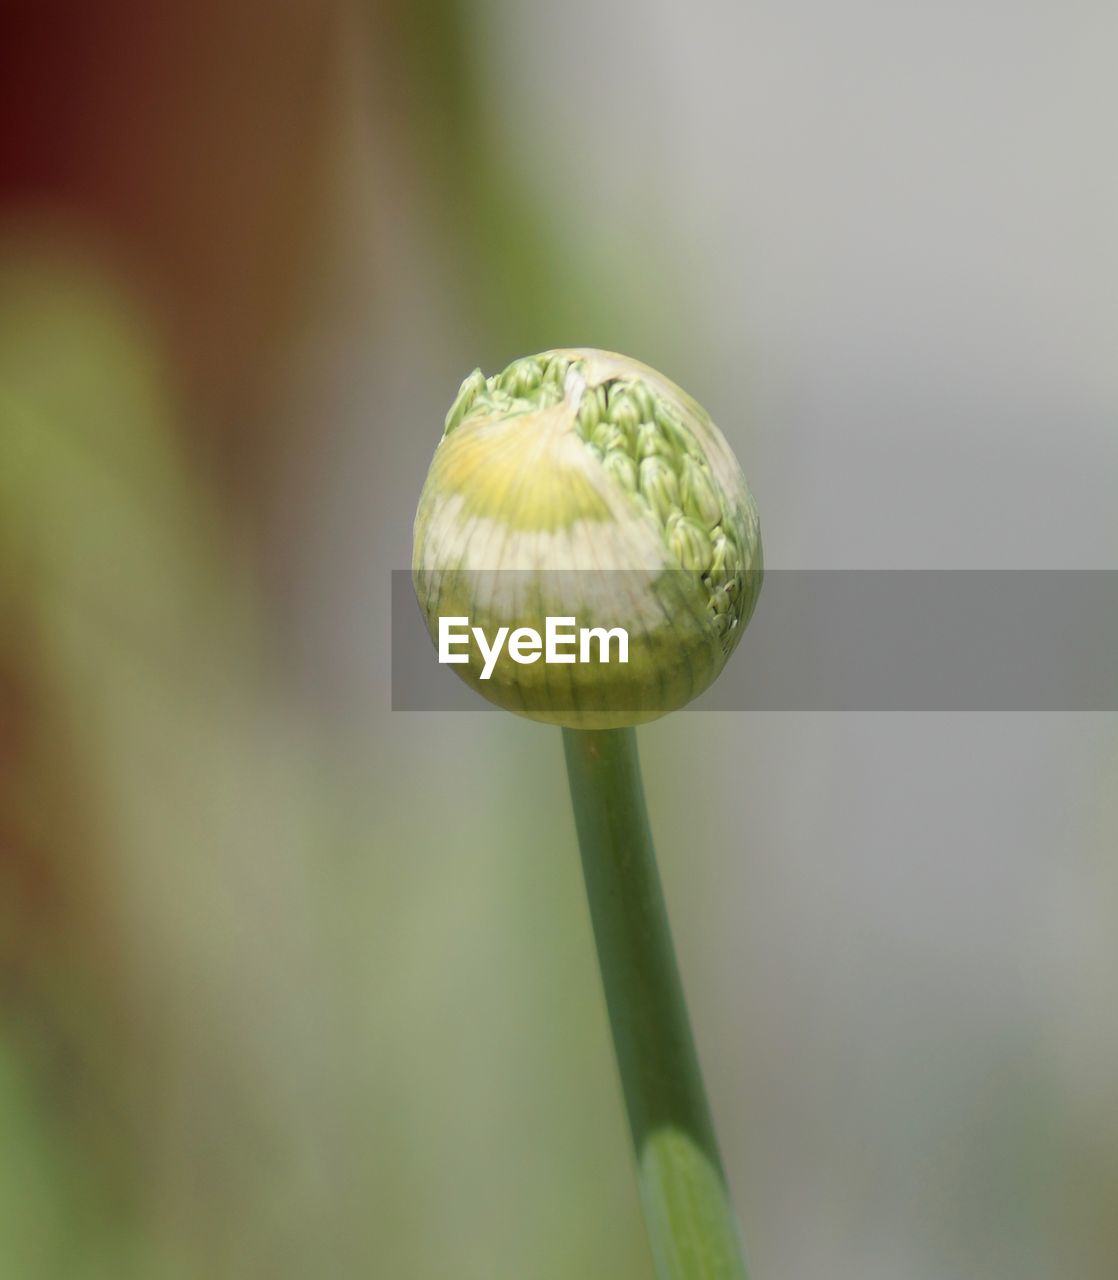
[{"x": 644, "y": 443}]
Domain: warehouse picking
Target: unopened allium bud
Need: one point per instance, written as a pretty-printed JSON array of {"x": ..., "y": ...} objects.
[{"x": 580, "y": 483}]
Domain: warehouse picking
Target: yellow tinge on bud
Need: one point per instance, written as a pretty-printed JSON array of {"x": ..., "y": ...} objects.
[{"x": 582, "y": 485}]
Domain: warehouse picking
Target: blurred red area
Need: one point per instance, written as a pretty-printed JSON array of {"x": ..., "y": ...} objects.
[{"x": 186, "y": 139}]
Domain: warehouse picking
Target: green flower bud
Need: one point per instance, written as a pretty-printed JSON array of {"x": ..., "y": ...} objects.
[
  {"x": 624, "y": 412},
  {"x": 582, "y": 484},
  {"x": 642, "y": 397},
  {"x": 522, "y": 377},
  {"x": 725, "y": 563},
  {"x": 622, "y": 468},
  {"x": 589, "y": 416},
  {"x": 557, "y": 371},
  {"x": 467, "y": 396},
  {"x": 689, "y": 543},
  {"x": 608, "y": 435},
  {"x": 659, "y": 484},
  {"x": 700, "y": 500},
  {"x": 652, "y": 440}
]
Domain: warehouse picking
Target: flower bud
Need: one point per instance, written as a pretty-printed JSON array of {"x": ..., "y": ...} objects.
[
  {"x": 689, "y": 543},
  {"x": 652, "y": 440},
  {"x": 660, "y": 486},
  {"x": 581, "y": 484},
  {"x": 622, "y": 468},
  {"x": 700, "y": 500},
  {"x": 624, "y": 412},
  {"x": 609, "y": 436}
]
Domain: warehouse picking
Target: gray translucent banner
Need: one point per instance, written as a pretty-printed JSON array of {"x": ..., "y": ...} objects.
[{"x": 910, "y": 640}]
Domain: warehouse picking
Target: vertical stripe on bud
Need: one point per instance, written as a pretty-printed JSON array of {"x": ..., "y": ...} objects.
[
  {"x": 642, "y": 398},
  {"x": 464, "y": 401},
  {"x": 522, "y": 377},
  {"x": 689, "y": 543},
  {"x": 557, "y": 370},
  {"x": 697, "y": 491},
  {"x": 608, "y": 435},
  {"x": 622, "y": 468},
  {"x": 624, "y": 412},
  {"x": 659, "y": 486},
  {"x": 589, "y": 415},
  {"x": 725, "y": 558},
  {"x": 651, "y": 441},
  {"x": 672, "y": 426}
]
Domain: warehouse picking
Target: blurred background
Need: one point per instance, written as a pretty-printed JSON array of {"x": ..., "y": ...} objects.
[{"x": 292, "y": 986}]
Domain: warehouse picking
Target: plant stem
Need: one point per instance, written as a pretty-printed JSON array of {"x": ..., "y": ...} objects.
[{"x": 690, "y": 1221}]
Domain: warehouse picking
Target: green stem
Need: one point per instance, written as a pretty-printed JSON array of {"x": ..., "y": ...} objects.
[{"x": 690, "y": 1221}]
